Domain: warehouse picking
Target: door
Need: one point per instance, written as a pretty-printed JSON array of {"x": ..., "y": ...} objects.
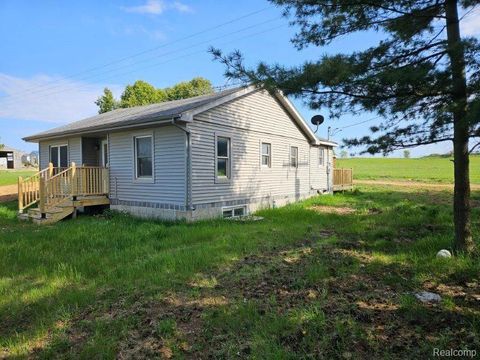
[
  {"x": 104, "y": 153},
  {"x": 59, "y": 156}
]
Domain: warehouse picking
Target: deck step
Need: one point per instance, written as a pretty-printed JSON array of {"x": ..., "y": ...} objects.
[{"x": 63, "y": 209}]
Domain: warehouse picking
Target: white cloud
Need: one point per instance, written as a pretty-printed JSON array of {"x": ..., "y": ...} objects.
[
  {"x": 154, "y": 7},
  {"x": 470, "y": 25},
  {"x": 48, "y": 98},
  {"x": 157, "y": 7},
  {"x": 181, "y": 7}
]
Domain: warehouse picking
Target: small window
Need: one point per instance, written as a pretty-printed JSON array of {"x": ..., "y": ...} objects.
[
  {"x": 223, "y": 157},
  {"x": 234, "y": 212},
  {"x": 143, "y": 157},
  {"x": 321, "y": 157},
  {"x": 228, "y": 213},
  {"x": 294, "y": 156},
  {"x": 266, "y": 155}
]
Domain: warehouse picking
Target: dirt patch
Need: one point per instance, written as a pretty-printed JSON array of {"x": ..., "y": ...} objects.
[
  {"x": 8, "y": 193},
  {"x": 332, "y": 209}
]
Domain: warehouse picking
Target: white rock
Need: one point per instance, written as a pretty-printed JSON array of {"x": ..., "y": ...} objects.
[
  {"x": 444, "y": 254},
  {"x": 426, "y": 297}
]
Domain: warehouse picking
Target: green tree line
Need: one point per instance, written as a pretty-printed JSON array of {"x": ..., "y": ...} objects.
[{"x": 143, "y": 93}]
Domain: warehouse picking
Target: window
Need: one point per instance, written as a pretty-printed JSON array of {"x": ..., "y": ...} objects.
[
  {"x": 294, "y": 156},
  {"x": 104, "y": 153},
  {"x": 59, "y": 155},
  {"x": 266, "y": 155},
  {"x": 223, "y": 158},
  {"x": 143, "y": 157},
  {"x": 321, "y": 157},
  {"x": 234, "y": 212}
]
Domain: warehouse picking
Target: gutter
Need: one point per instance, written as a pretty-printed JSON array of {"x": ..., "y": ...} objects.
[{"x": 98, "y": 129}]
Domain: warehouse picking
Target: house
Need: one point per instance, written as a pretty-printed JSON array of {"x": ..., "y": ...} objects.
[
  {"x": 10, "y": 158},
  {"x": 225, "y": 154}
]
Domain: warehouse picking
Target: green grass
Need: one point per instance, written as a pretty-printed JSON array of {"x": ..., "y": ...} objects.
[
  {"x": 10, "y": 177},
  {"x": 431, "y": 169},
  {"x": 300, "y": 283}
]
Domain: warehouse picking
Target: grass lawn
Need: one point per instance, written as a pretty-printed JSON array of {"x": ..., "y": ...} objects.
[
  {"x": 330, "y": 277},
  {"x": 10, "y": 177},
  {"x": 432, "y": 169}
]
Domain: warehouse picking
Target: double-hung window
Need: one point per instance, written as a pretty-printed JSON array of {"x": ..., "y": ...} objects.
[
  {"x": 223, "y": 158},
  {"x": 294, "y": 156},
  {"x": 321, "y": 157},
  {"x": 266, "y": 154},
  {"x": 144, "y": 157}
]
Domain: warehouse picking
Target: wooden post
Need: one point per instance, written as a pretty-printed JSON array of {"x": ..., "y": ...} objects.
[
  {"x": 73, "y": 180},
  {"x": 20, "y": 194},
  {"x": 50, "y": 170},
  {"x": 41, "y": 192},
  {"x": 107, "y": 181}
]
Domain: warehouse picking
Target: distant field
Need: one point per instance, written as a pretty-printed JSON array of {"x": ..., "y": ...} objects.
[
  {"x": 9, "y": 177},
  {"x": 431, "y": 169}
]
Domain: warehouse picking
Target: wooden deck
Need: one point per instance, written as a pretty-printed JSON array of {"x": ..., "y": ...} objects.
[
  {"x": 342, "y": 179},
  {"x": 58, "y": 192}
]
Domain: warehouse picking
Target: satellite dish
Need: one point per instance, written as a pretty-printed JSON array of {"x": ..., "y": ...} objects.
[{"x": 317, "y": 120}]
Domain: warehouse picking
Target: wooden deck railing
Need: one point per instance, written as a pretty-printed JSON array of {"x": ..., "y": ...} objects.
[
  {"x": 52, "y": 186},
  {"x": 342, "y": 179}
]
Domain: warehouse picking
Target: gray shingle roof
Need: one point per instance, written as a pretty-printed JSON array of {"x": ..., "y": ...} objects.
[{"x": 132, "y": 116}]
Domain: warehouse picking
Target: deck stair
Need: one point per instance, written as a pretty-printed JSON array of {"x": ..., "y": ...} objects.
[{"x": 59, "y": 192}]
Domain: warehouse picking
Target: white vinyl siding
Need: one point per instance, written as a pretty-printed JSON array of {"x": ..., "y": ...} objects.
[
  {"x": 318, "y": 174},
  {"x": 249, "y": 120},
  {"x": 169, "y": 167},
  {"x": 321, "y": 157}
]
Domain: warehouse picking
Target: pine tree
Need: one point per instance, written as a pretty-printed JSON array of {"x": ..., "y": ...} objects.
[
  {"x": 423, "y": 78},
  {"x": 106, "y": 102}
]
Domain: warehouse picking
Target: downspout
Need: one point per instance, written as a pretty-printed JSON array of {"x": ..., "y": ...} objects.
[{"x": 188, "y": 183}]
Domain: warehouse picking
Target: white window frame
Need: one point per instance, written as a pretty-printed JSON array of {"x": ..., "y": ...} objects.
[
  {"x": 290, "y": 157},
  {"x": 232, "y": 209},
  {"x": 228, "y": 177},
  {"x": 321, "y": 156},
  {"x": 58, "y": 146},
  {"x": 269, "y": 166},
  {"x": 149, "y": 179},
  {"x": 104, "y": 161}
]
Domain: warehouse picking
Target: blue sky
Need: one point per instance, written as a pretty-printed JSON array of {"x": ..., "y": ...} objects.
[{"x": 57, "y": 56}]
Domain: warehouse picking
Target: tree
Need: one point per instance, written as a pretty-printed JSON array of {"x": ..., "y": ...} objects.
[
  {"x": 344, "y": 154},
  {"x": 406, "y": 154},
  {"x": 143, "y": 93},
  {"x": 422, "y": 78},
  {"x": 187, "y": 89},
  {"x": 106, "y": 102}
]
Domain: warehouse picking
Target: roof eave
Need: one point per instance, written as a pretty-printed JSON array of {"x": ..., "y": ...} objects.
[{"x": 157, "y": 121}]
